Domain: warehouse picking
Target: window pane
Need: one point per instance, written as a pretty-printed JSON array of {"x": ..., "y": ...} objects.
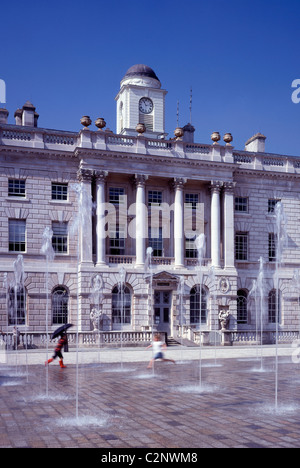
[
  {"x": 59, "y": 191},
  {"x": 154, "y": 198},
  {"x": 60, "y": 300},
  {"x": 241, "y": 204},
  {"x": 17, "y": 306},
  {"x": 60, "y": 237},
  {"x": 121, "y": 306},
  {"x": 195, "y": 306},
  {"x": 16, "y": 235},
  {"x": 116, "y": 195},
  {"x": 242, "y": 313},
  {"x": 16, "y": 188},
  {"x": 117, "y": 240},
  {"x": 241, "y": 246},
  {"x": 156, "y": 241}
]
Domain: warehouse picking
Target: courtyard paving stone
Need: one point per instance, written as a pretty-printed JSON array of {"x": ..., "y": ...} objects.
[{"x": 129, "y": 406}]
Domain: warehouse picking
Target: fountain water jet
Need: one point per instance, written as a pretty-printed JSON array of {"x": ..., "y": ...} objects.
[
  {"x": 85, "y": 205},
  {"x": 281, "y": 242},
  {"x": 258, "y": 292},
  {"x": 148, "y": 268},
  {"x": 49, "y": 253},
  {"x": 121, "y": 291},
  {"x": 180, "y": 292},
  {"x": 200, "y": 243},
  {"x": 19, "y": 273},
  {"x": 96, "y": 299}
]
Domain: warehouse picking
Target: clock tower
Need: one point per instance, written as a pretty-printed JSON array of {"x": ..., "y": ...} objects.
[{"x": 141, "y": 100}]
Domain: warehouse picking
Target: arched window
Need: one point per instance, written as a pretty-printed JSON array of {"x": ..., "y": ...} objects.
[
  {"x": 17, "y": 306},
  {"x": 121, "y": 306},
  {"x": 242, "y": 309},
  {"x": 273, "y": 299},
  {"x": 195, "y": 299},
  {"x": 60, "y": 305}
]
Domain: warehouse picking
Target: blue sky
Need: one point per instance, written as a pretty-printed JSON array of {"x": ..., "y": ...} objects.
[{"x": 240, "y": 57}]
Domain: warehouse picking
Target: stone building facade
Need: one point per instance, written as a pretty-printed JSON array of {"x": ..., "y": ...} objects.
[{"x": 107, "y": 197}]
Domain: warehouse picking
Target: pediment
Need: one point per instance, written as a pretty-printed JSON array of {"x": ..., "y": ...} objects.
[
  {"x": 163, "y": 279},
  {"x": 165, "y": 276}
]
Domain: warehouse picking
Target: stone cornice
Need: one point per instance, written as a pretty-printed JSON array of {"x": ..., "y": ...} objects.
[{"x": 264, "y": 174}]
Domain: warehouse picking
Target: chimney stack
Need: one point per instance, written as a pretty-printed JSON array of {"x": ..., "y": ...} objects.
[
  {"x": 256, "y": 144},
  {"x": 188, "y": 135},
  {"x": 3, "y": 116}
]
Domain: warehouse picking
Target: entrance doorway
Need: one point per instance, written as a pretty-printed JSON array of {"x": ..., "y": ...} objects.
[{"x": 162, "y": 308}]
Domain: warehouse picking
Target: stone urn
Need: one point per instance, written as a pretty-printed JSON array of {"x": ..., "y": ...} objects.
[
  {"x": 215, "y": 136},
  {"x": 140, "y": 128},
  {"x": 85, "y": 121},
  {"x": 178, "y": 132},
  {"x": 228, "y": 138},
  {"x": 100, "y": 123}
]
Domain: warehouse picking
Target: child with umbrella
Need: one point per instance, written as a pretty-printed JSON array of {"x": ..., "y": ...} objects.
[{"x": 62, "y": 342}]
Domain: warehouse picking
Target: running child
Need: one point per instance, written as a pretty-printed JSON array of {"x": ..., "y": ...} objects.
[{"x": 158, "y": 347}]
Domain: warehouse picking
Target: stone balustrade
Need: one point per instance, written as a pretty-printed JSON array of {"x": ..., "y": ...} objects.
[{"x": 12, "y": 135}]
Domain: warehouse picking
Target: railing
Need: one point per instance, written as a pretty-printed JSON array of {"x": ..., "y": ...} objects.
[
  {"x": 268, "y": 337},
  {"x": 106, "y": 140},
  {"x": 16, "y": 135},
  {"x": 120, "y": 259},
  {"x": 37, "y": 340}
]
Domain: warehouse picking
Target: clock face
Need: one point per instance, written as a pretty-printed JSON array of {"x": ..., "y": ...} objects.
[{"x": 146, "y": 105}]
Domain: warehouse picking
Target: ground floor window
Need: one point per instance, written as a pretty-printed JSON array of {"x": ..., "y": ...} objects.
[
  {"x": 60, "y": 302},
  {"x": 17, "y": 306},
  {"x": 198, "y": 296},
  {"x": 242, "y": 308},
  {"x": 274, "y": 307},
  {"x": 121, "y": 305}
]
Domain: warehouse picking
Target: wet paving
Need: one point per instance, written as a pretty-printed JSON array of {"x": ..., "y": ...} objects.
[{"x": 129, "y": 406}]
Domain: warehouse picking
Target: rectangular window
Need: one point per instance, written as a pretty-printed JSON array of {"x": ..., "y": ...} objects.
[
  {"x": 154, "y": 198},
  {"x": 272, "y": 247},
  {"x": 156, "y": 241},
  {"x": 117, "y": 240},
  {"x": 271, "y": 205},
  {"x": 190, "y": 246},
  {"x": 191, "y": 200},
  {"x": 60, "y": 237},
  {"x": 241, "y": 204},
  {"x": 116, "y": 195},
  {"x": 241, "y": 246},
  {"x": 59, "y": 191},
  {"x": 17, "y": 235},
  {"x": 16, "y": 188}
]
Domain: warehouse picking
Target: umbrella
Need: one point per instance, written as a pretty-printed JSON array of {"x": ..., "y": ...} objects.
[{"x": 61, "y": 330}]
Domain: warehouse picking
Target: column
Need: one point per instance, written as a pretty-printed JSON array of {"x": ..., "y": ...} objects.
[
  {"x": 179, "y": 237},
  {"x": 229, "y": 255},
  {"x": 84, "y": 194},
  {"x": 215, "y": 223},
  {"x": 100, "y": 216},
  {"x": 141, "y": 219}
]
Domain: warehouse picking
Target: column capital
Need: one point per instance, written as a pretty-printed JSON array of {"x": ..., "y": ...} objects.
[
  {"x": 216, "y": 186},
  {"x": 177, "y": 183},
  {"x": 139, "y": 180},
  {"x": 229, "y": 186},
  {"x": 101, "y": 176},
  {"x": 85, "y": 175}
]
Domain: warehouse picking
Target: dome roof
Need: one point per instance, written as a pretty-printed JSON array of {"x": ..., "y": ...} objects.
[
  {"x": 141, "y": 70},
  {"x": 141, "y": 75}
]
